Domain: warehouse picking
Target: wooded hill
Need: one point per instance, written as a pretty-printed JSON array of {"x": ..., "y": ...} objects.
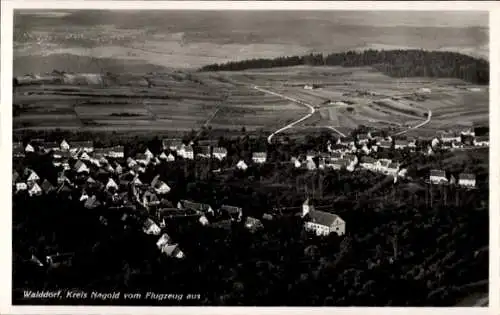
[{"x": 395, "y": 63}]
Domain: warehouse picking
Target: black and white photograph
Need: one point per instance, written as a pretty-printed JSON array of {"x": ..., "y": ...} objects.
[{"x": 271, "y": 158}]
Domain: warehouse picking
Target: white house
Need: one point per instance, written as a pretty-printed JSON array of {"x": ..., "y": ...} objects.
[
  {"x": 368, "y": 163},
  {"x": 438, "y": 177},
  {"x": 33, "y": 177},
  {"x": 148, "y": 154},
  {"x": 482, "y": 141},
  {"x": 382, "y": 165},
  {"x": 151, "y": 228},
  {"x": 29, "y": 148},
  {"x": 434, "y": 142},
  {"x": 64, "y": 145},
  {"x": 170, "y": 157},
  {"x": 242, "y": 165},
  {"x": 259, "y": 157},
  {"x": 20, "y": 186},
  {"x": 163, "y": 156},
  {"x": 111, "y": 184},
  {"x": 160, "y": 186},
  {"x": 324, "y": 223},
  {"x": 80, "y": 167},
  {"x": 467, "y": 180},
  {"x": 34, "y": 189},
  {"x": 392, "y": 169},
  {"x": 219, "y": 153},
  {"x": 449, "y": 137},
  {"x": 173, "y": 250},
  {"x": 163, "y": 240}
]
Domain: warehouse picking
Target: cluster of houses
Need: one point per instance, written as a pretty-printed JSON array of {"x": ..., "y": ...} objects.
[{"x": 466, "y": 180}]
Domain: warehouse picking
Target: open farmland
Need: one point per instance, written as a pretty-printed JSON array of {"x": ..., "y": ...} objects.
[
  {"x": 180, "y": 101},
  {"x": 348, "y": 97}
]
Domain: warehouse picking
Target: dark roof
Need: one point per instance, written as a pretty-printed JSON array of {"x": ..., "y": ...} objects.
[
  {"x": 195, "y": 205},
  {"x": 230, "y": 209},
  {"x": 438, "y": 173},
  {"x": 367, "y": 159},
  {"x": 205, "y": 150},
  {"x": 321, "y": 217},
  {"x": 467, "y": 176},
  {"x": 47, "y": 186},
  {"x": 220, "y": 150},
  {"x": 482, "y": 138},
  {"x": 171, "y": 142},
  {"x": 393, "y": 165}
]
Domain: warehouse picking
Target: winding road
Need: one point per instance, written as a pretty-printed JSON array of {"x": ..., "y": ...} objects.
[
  {"x": 312, "y": 110},
  {"x": 425, "y": 122}
]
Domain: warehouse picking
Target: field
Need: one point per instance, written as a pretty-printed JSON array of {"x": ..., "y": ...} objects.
[{"x": 184, "y": 100}]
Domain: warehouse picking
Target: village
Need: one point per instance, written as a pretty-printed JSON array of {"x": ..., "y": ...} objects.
[{"x": 106, "y": 177}]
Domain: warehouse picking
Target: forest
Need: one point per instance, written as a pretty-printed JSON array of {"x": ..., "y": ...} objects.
[
  {"x": 395, "y": 63},
  {"x": 400, "y": 249}
]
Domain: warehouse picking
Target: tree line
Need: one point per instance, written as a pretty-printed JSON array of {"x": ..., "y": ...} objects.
[{"x": 395, "y": 63}]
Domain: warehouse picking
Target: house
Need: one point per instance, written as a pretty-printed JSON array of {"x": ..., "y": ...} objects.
[
  {"x": 482, "y": 141},
  {"x": 310, "y": 155},
  {"x": 21, "y": 186},
  {"x": 346, "y": 141},
  {"x": 34, "y": 189},
  {"x": 467, "y": 180},
  {"x": 162, "y": 156},
  {"x": 159, "y": 186},
  {"x": 29, "y": 148},
  {"x": 32, "y": 177},
  {"x": 310, "y": 86},
  {"x": 150, "y": 199},
  {"x": 393, "y": 168},
  {"x": 142, "y": 159},
  {"x": 267, "y": 216},
  {"x": 64, "y": 145},
  {"x": 339, "y": 164},
  {"x": 450, "y": 137},
  {"x": 84, "y": 156},
  {"x": 170, "y": 157},
  {"x": 203, "y": 151},
  {"x": 368, "y": 163},
  {"x": 219, "y": 153},
  {"x": 118, "y": 168},
  {"x": 203, "y": 220},
  {"x": 131, "y": 162},
  {"x": 363, "y": 138},
  {"x": 17, "y": 149},
  {"x": 453, "y": 181},
  {"x": 384, "y": 144},
  {"x": 438, "y": 177},
  {"x": 188, "y": 152},
  {"x": 15, "y": 177},
  {"x": 468, "y": 132},
  {"x": 111, "y": 184},
  {"x": 201, "y": 207},
  {"x": 435, "y": 142},
  {"x": 382, "y": 165},
  {"x": 163, "y": 241},
  {"x": 116, "y": 152},
  {"x": 400, "y": 144},
  {"x": 324, "y": 223},
  {"x": 234, "y": 212},
  {"x": 80, "y": 167},
  {"x": 59, "y": 259},
  {"x": 150, "y": 227},
  {"x": 296, "y": 162},
  {"x": 171, "y": 144},
  {"x": 82, "y": 146},
  {"x": 242, "y": 165},
  {"x": 149, "y": 154},
  {"x": 173, "y": 250},
  {"x": 311, "y": 165},
  {"x": 259, "y": 157},
  {"x": 253, "y": 224},
  {"x": 47, "y": 187},
  {"x": 92, "y": 202},
  {"x": 365, "y": 149}
]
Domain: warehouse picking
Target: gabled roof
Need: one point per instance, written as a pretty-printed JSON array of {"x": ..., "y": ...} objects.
[
  {"x": 321, "y": 217},
  {"x": 92, "y": 202},
  {"x": 467, "y": 176},
  {"x": 438, "y": 173},
  {"x": 204, "y": 150},
  {"x": 259, "y": 154},
  {"x": 219, "y": 150},
  {"x": 47, "y": 186},
  {"x": 187, "y": 204},
  {"x": 368, "y": 159}
]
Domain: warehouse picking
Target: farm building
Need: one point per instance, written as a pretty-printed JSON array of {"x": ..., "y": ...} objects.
[
  {"x": 241, "y": 165},
  {"x": 259, "y": 157},
  {"x": 116, "y": 152},
  {"x": 392, "y": 169},
  {"x": 187, "y": 204},
  {"x": 368, "y": 163},
  {"x": 171, "y": 144},
  {"x": 449, "y": 137},
  {"x": 438, "y": 177},
  {"x": 311, "y": 86},
  {"x": 234, "y": 212},
  {"x": 150, "y": 227},
  {"x": 203, "y": 151},
  {"x": 482, "y": 141},
  {"x": 467, "y": 180},
  {"x": 17, "y": 149},
  {"x": 322, "y": 223},
  {"x": 219, "y": 153},
  {"x": 253, "y": 224},
  {"x": 64, "y": 145},
  {"x": 82, "y": 146}
]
